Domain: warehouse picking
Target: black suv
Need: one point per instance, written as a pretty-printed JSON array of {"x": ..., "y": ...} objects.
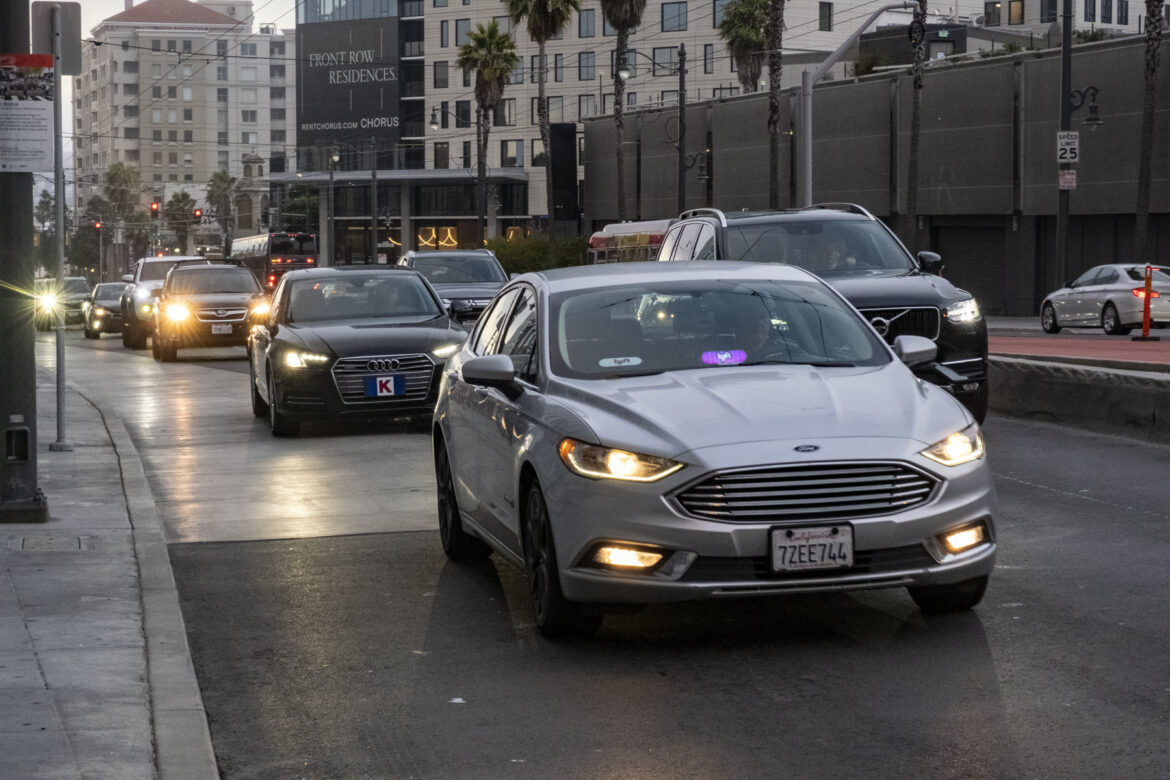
[
  {"x": 863, "y": 260},
  {"x": 466, "y": 279},
  {"x": 203, "y": 305}
]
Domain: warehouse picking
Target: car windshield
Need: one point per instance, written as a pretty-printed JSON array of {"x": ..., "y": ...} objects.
[
  {"x": 76, "y": 286},
  {"x": 156, "y": 271},
  {"x": 829, "y": 248},
  {"x": 448, "y": 270},
  {"x": 109, "y": 291},
  {"x": 710, "y": 324},
  {"x": 1138, "y": 274},
  {"x": 348, "y": 296},
  {"x": 213, "y": 280},
  {"x": 293, "y": 244}
]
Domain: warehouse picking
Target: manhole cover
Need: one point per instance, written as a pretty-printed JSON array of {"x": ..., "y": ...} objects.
[{"x": 51, "y": 544}]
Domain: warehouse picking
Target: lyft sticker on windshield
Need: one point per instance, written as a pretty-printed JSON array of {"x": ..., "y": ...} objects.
[
  {"x": 619, "y": 362},
  {"x": 724, "y": 357}
]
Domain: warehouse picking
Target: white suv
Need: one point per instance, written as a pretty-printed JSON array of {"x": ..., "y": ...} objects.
[{"x": 137, "y": 304}]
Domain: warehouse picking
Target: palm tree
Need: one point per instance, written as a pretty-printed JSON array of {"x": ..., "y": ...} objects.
[
  {"x": 492, "y": 55},
  {"x": 1154, "y": 22},
  {"x": 775, "y": 35},
  {"x": 122, "y": 188},
  {"x": 546, "y": 19},
  {"x": 742, "y": 29},
  {"x": 221, "y": 197},
  {"x": 623, "y": 16},
  {"x": 138, "y": 232},
  {"x": 179, "y": 213}
]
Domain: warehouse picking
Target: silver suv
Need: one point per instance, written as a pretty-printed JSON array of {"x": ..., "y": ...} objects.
[{"x": 137, "y": 304}]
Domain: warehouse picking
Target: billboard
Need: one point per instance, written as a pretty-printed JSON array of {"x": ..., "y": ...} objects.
[{"x": 347, "y": 82}]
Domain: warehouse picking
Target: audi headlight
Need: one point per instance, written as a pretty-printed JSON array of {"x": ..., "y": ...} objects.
[
  {"x": 592, "y": 460},
  {"x": 177, "y": 312},
  {"x": 964, "y": 311},
  {"x": 447, "y": 350},
  {"x": 294, "y": 359},
  {"x": 958, "y": 448}
]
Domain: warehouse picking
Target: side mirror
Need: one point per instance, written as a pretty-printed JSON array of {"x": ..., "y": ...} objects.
[
  {"x": 489, "y": 371},
  {"x": 930, "y": 262},
  {"x": 128, "y": 278},
  {"x": 915, "y": 350}
]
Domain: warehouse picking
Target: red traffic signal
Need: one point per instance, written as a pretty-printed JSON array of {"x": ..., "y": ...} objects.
[
  {"x": 198, "y": 213},
  {"x": 98, "y": 224},
  {"x": 154, "y": 209}
]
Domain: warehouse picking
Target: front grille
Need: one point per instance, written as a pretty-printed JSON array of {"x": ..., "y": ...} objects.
[
  {"x": 221, "y": 315},
  {"x": 891, "y": 323},
  {"x": 823, "y": 491},
  {"x": 758, "y": 568},
  {"x": 349, "y": 374}
]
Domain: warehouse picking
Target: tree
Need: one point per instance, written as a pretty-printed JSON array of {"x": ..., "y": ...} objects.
[
  {"x": 1154, "y": 23},
  {"x": 221, "y": 197},
  {"x": 742, "y": 29},
  {"x": 775, "y": 35},
  {"x": 122, "y": 189},
  {"x": 46, "y": 219},
  {"x": 546, "y": 19},
  {"x": 82, "y": 250},
  {"x": 623, "y": 16},
  {"x": 492, "y": 55},
  {"x": 44, "y": 213},
  {"x": 299, "y": 211},
  {"x": 180, "y": 215},
  {"x": 137, "y": 233}
]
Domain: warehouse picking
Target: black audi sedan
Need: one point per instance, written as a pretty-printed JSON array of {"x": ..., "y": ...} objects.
[{"x": 349, "y": 342}]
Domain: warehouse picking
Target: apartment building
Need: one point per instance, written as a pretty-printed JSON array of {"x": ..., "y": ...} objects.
[{"x": 181, "y": 90}]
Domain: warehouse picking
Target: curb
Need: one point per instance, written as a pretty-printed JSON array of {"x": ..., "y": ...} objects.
[{"x": 182, "y": 738}]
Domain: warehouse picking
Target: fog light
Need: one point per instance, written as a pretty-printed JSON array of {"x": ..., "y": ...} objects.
[
  {"x": 626, "y": 557},
  {"x": 964, "y": 538}
]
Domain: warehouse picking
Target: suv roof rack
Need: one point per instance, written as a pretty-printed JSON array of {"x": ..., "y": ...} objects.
[
  {"x": 852, "y": 208},
  {"x": 705, "y": 212}
]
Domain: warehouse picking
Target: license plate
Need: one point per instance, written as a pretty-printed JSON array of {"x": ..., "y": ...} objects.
[
  {"x": 221, "y": 329},
  {"x": 382, "y": 386},
  {"x": 812, "y": 547}
]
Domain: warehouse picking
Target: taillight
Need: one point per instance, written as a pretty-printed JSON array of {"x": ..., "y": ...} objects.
[
  {"x": 1140, "y": 292},
  {"x": 271, "y": 280}
]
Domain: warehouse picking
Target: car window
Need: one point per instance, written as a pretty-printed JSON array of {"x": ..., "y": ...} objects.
[
  {"x": 827, "y": 247},
  {"x": 1160, "y": 275},
  {"x": 685, "y": 248},
  {"x": 279, "y": 302},
  {"x": 108, "y": 291},
  {"x": 456, "y": 269},
  {"x": 520, "y": 336},
  {"x": 216, "y": 280},
  {"x": 490, "y": 322},
  {"x": 401, "y": 297},
  {"x": 1107, "y": 276},
  {"x": 76, "y": 286},
  {"x": 1088, "y": 277},
  {"x": 705, "y": 245},
  {"x": 665, "y": 251}
]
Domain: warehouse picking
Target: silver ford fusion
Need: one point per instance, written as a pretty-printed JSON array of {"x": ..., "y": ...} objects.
[{"x": 647, "y": 432}]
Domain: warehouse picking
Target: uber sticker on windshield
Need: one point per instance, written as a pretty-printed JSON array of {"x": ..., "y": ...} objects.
[
  {"x": 724, "y": 357},
  {"x": 619, "y": 362}
]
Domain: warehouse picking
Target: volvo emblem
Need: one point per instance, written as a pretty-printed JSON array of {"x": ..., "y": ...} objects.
[
  {"x": 881, "y": 325},
  {"x": 806, "y": 448}
]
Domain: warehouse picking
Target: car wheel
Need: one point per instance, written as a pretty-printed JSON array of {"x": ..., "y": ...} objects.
[
  {"x": 937, "y": 599},
  {"x": 555, "y": 615},
  {"x": 90, "y": 334},
  {"x": 280, "y": 425},
  {"x": 259, "y": 405},
  {"x": 457, "y": 543},
  {"x": 126, "y": 336},
  {"x": 1111, "y": 323},
  {"x": 167, "y": 353},
  {"x": 1048, "y": 319},
  {"x": 154, "y": 347}
]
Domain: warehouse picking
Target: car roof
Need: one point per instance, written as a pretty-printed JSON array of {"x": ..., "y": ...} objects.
[
  {"x": 450, "y": 253},
  {"x": 171, "y": 258},
  {"x": 333, "y": 270},
  {"x": 590, "y": 276}
]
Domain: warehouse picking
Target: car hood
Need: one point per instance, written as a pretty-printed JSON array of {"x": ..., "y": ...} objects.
[
  {"x": 684, "y": 411},
  {"x": 468, "y": 289},
  {"x": 374, "y": 337},
  {"x": 897, "y": 291}
]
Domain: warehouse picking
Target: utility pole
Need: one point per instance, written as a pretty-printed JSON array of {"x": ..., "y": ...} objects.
[{"x": 682, "y": 128}]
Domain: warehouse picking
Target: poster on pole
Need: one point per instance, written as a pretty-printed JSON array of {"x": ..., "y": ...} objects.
[{"x": 26, "y": 113}]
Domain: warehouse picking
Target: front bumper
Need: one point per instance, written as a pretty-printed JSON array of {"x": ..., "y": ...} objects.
[
  {"x": 199, "y": 334},
  {"x": 312, "y": 394},
  {"x": 105, "y": 323}
]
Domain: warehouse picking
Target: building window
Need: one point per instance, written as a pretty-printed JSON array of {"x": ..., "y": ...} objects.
[
  {"x": 221, "y": 138},
  {"x": 1090, "y": 10},
  {"x": 172, "y": 93},
  {"x": 188, "y": 136},
  {"x": 668, "y": 97},
  {"x": 248, "y": 96},
  {"x": 467, "y": 78},
  {"x": 558, "y": 67},
  {"x": 1016, "y": 11},
  {"x": 172, "y": 45},
  {"x": 991, "y": 14},
  {"x": 442, "y": 154},
  {"x": 1106, "y": 11},
  {"x": 172, "y": 158},
  {"x": 278, "y": 136},
  {"x": 186, "y": 46},
  {"x": 538, "y": 155},
  {"x": 172, "y": 136},
  {"x": 247, "y": 74},
  {"x": 156, "y": 158},
  {"x": 517, "y": 74},
  {"x": 221, "y": 48},
  {"x": 443, "y": 115},
  {"x": 586, "y": 106},
  {"x": 156, "y": 136},
  {"x": 276, "y": 114},
  {"x": 462, "y": 113},
  {"x": 674, "y": 17},
  {"x": 504, "y": 23},
  {"x": 632, "y": 60},
  {"x": 221, "y": 72},
  {"x": 719, "y": 92},
  {"x": 1123, "y": 11},
  {"x": 156, "y": 93},
  {"x": 607, "y": 29},
  {"x": 708, "y": 58},
  {"x": 130, "y": 133},
  {"x": 511, "y": 154},
  {"x": 248, "y": 117},
  {"x": 276, "y": 93},
  {"x": 556, "y": 109},
  {"x": 188, "y": 115},
  {"x": 440, "y": 75},
  {"x": 187, "y": 159},
  {"x": 276, "y": 71},
  {"x": 719, "y": 7},
  {"x": 534, "y": 69},
  {"x": 466, "y": 162},
  {"x": 130, "y": 66},
  {"x": 444, "y": 36},
  {"x": 155, "y": 44},
  {"x": 247, "y": 50},
  {"x": 249, "y": 138},
  {"x": 585, "y": 23},
  {"x": 221, "y": 95},
  {"x": 826, "y": 11},
  {"x": 188, "y": 94},
  {"x": 665, "y": 60},
  {"x": 586, "y": 66},
  {"x": 462, "y": 29},
  {"x": 276, "y": 49},
  {"x": 505, "y": 113},
  {"x": 125, "y": 45}
]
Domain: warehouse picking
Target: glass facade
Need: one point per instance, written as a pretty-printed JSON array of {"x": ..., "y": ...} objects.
[{"x": 313, "y": 11}]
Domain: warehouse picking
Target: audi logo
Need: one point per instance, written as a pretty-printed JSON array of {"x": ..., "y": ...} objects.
[{"x": 384, "y": 365}]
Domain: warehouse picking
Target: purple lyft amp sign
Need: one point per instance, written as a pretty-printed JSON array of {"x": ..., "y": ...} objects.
[{"x": 724, "y": 357}]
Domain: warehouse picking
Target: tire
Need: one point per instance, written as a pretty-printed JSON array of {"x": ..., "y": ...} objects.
[
  {"x": 1111, "y": 323},
  {"x": 977, "y": 402},
  {"x": 259, "y": 405},
  {"x": 281, "y": 426},
  {"x": 154, "y": 348},
  {"x": 90, "y": 334},
  {"x": 168, "y": 353},
  {"x": 556, "y": 617},
  {"x": 458, "y": 545},
  {"x": 126, "y": 336},
  {"x": 939, "y": 599},
  {"x": 134, "y": 337},
  {"x": 1048, "y": 319}
]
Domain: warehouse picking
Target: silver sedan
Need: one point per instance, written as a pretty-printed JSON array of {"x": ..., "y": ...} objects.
[
  {"x": 1110, "y": 297},
  {"x": 647, "y": 432}
]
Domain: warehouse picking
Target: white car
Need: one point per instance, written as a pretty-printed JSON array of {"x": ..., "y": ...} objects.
[
  {"x": 1110, "y": 297},
  {"x": 653, "y": 432}
]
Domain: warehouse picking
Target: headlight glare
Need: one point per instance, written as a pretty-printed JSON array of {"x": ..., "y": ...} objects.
[
  {"x": 958, "y": 448},
  {"x": 141, "y": 292},
  {"x": 447, "y": 350},
  {"x": 964, "y": 311},
  {"x": 294, "y": 359},
  {"x": 47, "y": 301},
  {"x": 592, "y": 460},
  {"x": 176, "y": 312},
  {"x": 260, "y": 309}
]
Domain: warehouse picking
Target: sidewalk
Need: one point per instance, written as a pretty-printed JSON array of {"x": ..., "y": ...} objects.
[{"x": 95, "y": 674}]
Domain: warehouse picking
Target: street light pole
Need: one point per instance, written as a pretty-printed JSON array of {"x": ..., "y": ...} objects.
[
  {"x": 334, "y": 156},
  {"x": 682, "y": 128},
  {"x": 1062, "y": 204},
  {"x": 480, "y": 177}
]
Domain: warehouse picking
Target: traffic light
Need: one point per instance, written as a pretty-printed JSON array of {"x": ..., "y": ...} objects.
[
  {"x": 154, "y": 209},
  {"x": 198, "y": 214},
  {"x": 98, "y": 224}
]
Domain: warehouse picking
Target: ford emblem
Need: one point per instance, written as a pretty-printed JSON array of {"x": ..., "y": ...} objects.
[{"x": 806, "y": 448}]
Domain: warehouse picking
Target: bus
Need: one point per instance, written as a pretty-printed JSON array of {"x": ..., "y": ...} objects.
[
  {"x": 269, "y": 255},
  {"x": 624, "y": 242}
]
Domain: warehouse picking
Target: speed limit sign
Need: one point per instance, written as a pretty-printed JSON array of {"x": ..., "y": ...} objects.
[{"x": 1068, "y": 146}]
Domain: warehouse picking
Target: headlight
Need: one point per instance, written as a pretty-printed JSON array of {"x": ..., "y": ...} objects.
[
  {"x": 303, "y": 359},
  {"x": 592, "y": 460},
  {"x": 958, "y": 448},
  {"x": 98, "y": 311},
  {"x": 141, "y": 293},
  {"x": 260, "y": 309},
  {"x": 48, "y": 301},
  {"x": 447, "y": 350},
  {"x": 963, "y": 311},
  {"x": 177, "y": 312}
]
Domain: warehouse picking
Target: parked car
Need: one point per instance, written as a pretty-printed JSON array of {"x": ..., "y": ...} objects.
[
  {"x": 137, "y": 302},
  {"x": 465, "y": 279},
  {"x": 66, "y": 296},
  {"x": 862, "y": 258},
  {"x": 1110, "y": 297},
  {"x": 201, "y": 305},
  {"x": 637, "y": 433},
  {"x": 101, "y": 310},
  {"x": 349, "y": 342}
]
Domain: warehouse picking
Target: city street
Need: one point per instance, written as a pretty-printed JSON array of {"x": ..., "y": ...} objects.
[{"x": 332, "y": 638}]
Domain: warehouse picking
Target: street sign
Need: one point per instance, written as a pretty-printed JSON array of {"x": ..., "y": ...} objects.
[
  {"x": 1068, "y": 146},
  {"x": 42, "y": 34},
  {"x": 1068, "y": 179}
]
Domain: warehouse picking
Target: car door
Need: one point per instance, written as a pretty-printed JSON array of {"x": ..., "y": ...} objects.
[
  {"x": 1070, "y": 304},
  {"x": 263, "y": 334},
  {"x": 504, "y": 423},
  {"x": 1098, "y": 292}
]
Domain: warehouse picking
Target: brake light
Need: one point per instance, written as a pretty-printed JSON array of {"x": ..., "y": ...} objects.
[
  {"x": 271, "y": 280},
  {"x": 311, "y": 260},
  {"x": 1140, "y": 292},
  {"x": 599, "y": 242}
]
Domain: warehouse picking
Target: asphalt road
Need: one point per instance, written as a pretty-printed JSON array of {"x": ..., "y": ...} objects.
[{"x": 331, "y": 638}]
